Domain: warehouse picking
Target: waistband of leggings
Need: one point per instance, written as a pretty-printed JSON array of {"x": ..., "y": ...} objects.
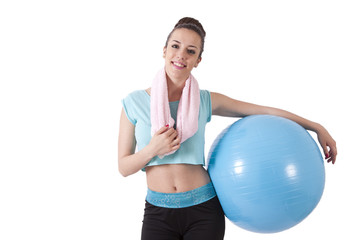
[{"x": 182, "y": 199}]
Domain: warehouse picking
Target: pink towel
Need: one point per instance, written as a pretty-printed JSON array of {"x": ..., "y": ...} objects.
[{"x": 188, "y": 109}]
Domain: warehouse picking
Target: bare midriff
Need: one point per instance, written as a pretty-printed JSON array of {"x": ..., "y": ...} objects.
[{"x": 173, "y": 178}]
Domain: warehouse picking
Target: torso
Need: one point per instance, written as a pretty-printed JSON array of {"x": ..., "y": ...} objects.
[{"x": 173, "y": 178}]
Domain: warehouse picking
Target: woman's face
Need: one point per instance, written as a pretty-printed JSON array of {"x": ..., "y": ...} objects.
[{"x": 182, "y": 54}]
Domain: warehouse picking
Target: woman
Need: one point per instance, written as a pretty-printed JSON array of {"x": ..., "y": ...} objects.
[{"x": 181, "y": 202}]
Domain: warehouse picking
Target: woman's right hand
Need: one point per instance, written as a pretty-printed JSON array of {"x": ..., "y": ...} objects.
[{"x": 165, "y": 140}]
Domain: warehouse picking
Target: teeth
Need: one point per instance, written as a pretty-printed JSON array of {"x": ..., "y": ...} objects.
[{"x": 178, "y": 64}]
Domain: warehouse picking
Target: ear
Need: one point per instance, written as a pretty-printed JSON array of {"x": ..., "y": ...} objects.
[
  {"x": 164, "y": 52},
  {"x": 198, "y": 61}
]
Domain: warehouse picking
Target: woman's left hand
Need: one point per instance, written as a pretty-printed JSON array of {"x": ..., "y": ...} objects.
[{"x": 328, "y": 144}]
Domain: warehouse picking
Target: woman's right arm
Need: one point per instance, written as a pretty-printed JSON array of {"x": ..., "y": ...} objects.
[{"x": 165, "y": 140}]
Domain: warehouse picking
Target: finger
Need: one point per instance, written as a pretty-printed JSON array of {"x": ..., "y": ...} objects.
[
  {"x": 162, "y": 130},
  {"x": 176, "y": 141},
  {"x": 333, "y": 151},
  {"x": 174, "y": 134},
  {"x": 333, "y": 155},
  {"x": 326, "y": 153},
  {"x": 331, "y": 159},
  {"x": 170, "y": 133},
  {"x": 176, "y": 147},
  {"x": 325, "y": 150}
]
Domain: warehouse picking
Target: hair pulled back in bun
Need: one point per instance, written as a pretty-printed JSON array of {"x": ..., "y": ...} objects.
[{"x": 191, "y": 24}]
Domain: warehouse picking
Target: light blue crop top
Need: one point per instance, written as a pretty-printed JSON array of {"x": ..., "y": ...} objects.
[{"x": 137, "y": 108}]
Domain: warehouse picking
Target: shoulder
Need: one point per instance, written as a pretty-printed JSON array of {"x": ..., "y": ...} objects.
[
  {"x": 205, "y": 104},
  {"x": 134, "y": 103},
  {"x": 205, "y": 95},
  {"x": 138, "y": 96}
]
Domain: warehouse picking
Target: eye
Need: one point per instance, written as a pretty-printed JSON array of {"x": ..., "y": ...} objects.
[
  {"x": 191, "y": 51},
  {"x": 175, "y": 46}
]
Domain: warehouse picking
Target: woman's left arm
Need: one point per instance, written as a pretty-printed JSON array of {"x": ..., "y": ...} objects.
[{"x": 228, "y": 107}]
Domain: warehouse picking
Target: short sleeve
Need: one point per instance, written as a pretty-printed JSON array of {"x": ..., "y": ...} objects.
[
  {"x": 128, "y": 108},
  {"x": 206, "y": 101}
]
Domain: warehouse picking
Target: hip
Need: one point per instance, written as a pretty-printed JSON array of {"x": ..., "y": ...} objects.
[{"x": 182, "y": 199}]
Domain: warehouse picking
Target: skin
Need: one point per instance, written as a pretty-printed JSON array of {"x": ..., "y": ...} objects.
[{"x": 181, "y": 56}]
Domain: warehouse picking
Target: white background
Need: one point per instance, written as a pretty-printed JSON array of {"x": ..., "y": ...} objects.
[{"x": 65, "y": 66}]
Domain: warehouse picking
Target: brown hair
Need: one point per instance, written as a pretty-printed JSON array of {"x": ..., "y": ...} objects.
[{"x": 191, "y": 24}]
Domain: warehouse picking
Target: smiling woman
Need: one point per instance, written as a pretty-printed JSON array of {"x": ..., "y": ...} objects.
[{"x": 181, "y": 202}]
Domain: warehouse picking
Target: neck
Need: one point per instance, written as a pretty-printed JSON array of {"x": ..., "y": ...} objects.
[{"x": 175, "y": 89}]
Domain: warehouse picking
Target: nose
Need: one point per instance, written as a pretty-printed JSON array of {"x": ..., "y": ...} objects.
[{"x": 182, "y": 54}]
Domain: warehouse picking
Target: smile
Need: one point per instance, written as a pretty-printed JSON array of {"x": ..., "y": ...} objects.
[{"x": 178, "y": 65}]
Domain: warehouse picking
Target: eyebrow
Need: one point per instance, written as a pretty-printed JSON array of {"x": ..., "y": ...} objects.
[{"x": 189, "y": 45}]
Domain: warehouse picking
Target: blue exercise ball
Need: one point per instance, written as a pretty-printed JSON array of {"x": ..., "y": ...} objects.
[{"x": 268, "y": 173}]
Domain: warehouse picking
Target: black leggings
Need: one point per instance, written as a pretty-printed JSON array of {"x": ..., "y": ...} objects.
[{"x": 202, "y": 221}]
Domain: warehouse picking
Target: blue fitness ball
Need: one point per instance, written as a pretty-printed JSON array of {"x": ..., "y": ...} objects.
[{"x": 268, "y": 173}]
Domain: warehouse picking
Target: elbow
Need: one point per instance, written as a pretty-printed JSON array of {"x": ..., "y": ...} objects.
[{"x": 124, "y": 172}]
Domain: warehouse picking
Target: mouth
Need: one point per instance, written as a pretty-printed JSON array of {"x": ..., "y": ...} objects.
[{"x": 178, "y": 65}]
